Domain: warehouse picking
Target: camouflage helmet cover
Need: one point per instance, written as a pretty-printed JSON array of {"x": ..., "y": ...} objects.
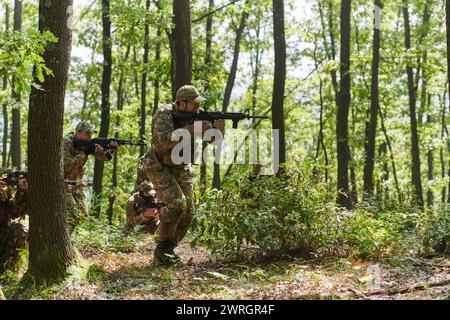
[
  {"x": 146, "y": 188},
  {"x": 86, "y": 126},
  {"x": 189, "y": 93}
]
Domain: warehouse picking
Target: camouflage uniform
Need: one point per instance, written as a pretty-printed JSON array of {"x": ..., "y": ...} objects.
[
  {"x": 173, "y": 183},
  {"x": 74, "y": 161},
  {"x": 13, "y": 231},
  {"x": 135, "y": 208}
]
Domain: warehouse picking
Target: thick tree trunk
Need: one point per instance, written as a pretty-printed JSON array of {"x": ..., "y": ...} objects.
[
  {"x": 279, "y": 76},
  {"x": 4, "y": 107},
  {"x": 374, "y": 105},
  {"x": 230, "y": 84},
  {"x": 16, "y": 147},
  {"x": 208, "y": 32},
  {"x": 415, "y": 152},
  {"x": 51, "y": 251},
  {"x": 144, "y": 82},
  {"x": 182, "y": 51},
  {"x": 105, "y": 107},
  {"x": 343, "y": 198}
]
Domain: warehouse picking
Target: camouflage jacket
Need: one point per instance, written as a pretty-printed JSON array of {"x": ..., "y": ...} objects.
[
  {"x": 162, "y": 128},
  {"x": 75, "y": 159},
  {"x": 13, "y": 205}
]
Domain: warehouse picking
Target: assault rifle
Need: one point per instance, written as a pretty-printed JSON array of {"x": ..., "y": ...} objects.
[
  {"x": 75, "y": 183},
  {"x": 150, "y": 203},
  {"x": 105, "y": 143},
  {"x": 213, "y": 116}
]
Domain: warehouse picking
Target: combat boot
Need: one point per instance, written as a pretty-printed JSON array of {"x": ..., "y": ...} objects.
[{"x": 164, "y": 255}]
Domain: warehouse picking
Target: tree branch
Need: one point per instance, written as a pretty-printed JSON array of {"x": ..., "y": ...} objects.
[{"x": 213, "y": 11}]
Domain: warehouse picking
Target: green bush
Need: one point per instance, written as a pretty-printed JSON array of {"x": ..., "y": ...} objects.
[{"x": 272, "y": 214}]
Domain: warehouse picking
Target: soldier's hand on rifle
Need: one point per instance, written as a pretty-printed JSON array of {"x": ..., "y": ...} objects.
[
  {"x": 98, "y": 148},
  {"x": 23, "y": 185},
  {"x": 149, "y": 214},
  {"x": 113, "y": 144},
  {"x": 206, "y": 125},
  {"x": 220, "y": 125}
]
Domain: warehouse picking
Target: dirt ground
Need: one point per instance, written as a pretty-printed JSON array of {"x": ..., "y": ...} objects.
[{"x": 130, "y": 275}]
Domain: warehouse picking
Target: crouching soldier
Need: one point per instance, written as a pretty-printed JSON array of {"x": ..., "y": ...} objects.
[
  {"x": 13, "y": 228},
  {"x": 143, "y": 209},
  {"x": 74, "y": 161}
]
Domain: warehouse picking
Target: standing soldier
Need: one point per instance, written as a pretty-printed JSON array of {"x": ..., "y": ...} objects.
[
  {"x": 74, "y": 161},
  {"x": 13, "y": 230},
  {"x": 143, "y": 209},
  {"x": 173, "y": 183}
]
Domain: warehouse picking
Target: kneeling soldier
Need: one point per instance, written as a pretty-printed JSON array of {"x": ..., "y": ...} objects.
[
  {"x": 13, "y": 229},
  {"x": 143, "y": 209}
]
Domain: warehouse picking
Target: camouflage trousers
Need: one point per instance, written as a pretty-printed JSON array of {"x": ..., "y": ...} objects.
[
  {"x": 175, "y": 188},
  {"x": 76, "y": 206},
  {"x": 13, "y": 237}
]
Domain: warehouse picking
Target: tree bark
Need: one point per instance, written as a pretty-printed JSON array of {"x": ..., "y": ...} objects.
[
  {"x": 374, "y": 105},
  {"x": 16, "y": 147},
  {"x": 144, "y": 81},
  {"x": 279, "y": 76},
  {"x": 120, "y": 99},
  {"x": 447, "y": 23},
  {"x": 391, "y": 154},
  {"x": 441, "y": 151},
  {"x": 105, "y": 106},
  {"x": 430, "y": 195},
  {"x": 208, "y": 32},
  {"x": 182, "y": 51},
  {"x": 343, "y": 198},
  {"x": 415, "y": 152},
  {"x": 4, "y": 107},
  {"x": 51, "y": 251},
  {"x": 157, "y": 58},
  {"x": 230, "y": 84}
]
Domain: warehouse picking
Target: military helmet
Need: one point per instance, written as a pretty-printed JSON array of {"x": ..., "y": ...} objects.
[
  {"x": 146, "y": 188},
  {"x": 189, "y": 93}
]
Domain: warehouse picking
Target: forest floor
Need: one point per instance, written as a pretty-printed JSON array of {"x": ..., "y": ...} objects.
[{"x": 128, "y": 274}]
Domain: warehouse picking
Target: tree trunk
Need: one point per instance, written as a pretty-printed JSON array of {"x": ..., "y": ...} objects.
[
  {"x": 157, "y": 58},
  {"x": 230, "y": 84},
  {"x": 105, "y": 107},
  {"x": 182, "y": 51},
  {"x": 447, "y": 23},
  {"x": 144, "y": 81},
  {"x": 391, "y": 154},
  {"x": 51, "y": 251},
  {"x": 208, "y": 31},
  {"x": 343, "y": 198},
  {"x": 279, "y": 76},
  {"x": 441, "y": 151},
  {"x": 16, "y": 148},
  {"x": 4, "y": 107},
  {"x": 120, "y": 98},
  {"x": 415, "y": 152},
  {"x": 374, "y": 105},
  {"x": 430, "y": 196}
]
